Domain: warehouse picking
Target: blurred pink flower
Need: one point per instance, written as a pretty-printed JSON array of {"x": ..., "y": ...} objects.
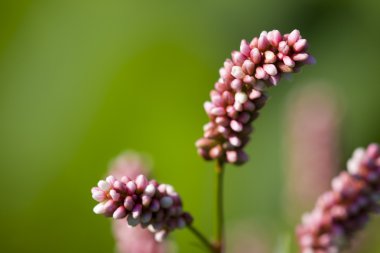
[
  {"x": 311, "y": 145},
  {"x": 341, "y": 212}
]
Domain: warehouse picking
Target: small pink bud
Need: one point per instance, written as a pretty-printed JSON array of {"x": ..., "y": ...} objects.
[
  {"x": 274, "y": 37},
  {"x": 300, "y": 57},
  {"x": 241, "y": 97},
  {"x": 99, "y": 208},
  {"x": 236, "y": 126},
  {"x": 160, "y": 236},
  {"x": 260, "y": 73},
  {"x": 238, "y": 58},
  {"x": 288, "y": 61},
  {"x": 237, "y": 72},
  {"x": 248, "y": 67},
  {"x": 99, "y": 196},
  {"x": 244, "y": 48},
  {"x": 254, "y": 42},
  {"x": 129, "y": 203},
  {"x": 218, "y": 111},
  {"x": 104, "y": 185},
  {"x": 263, "y": 42},
  {"x": 131, "y": 187},
  {"x": 270, "y": 57},
  {"x": 119, "y": 213},
  {"x": 114, "y": 195},
  {"x": 283, "y": 48},
  {"x": 231, "y": 156},
  {"x": 270, "y": 69},
  {"x": 249, "y": 80},
  {"x": 236, "y": 84},
  {"x": 150, "y": 190},
  {"x": 235, "y": 141},
  {"x": 293, "y": 37},
  {"x": 146, "y": 200},
  {"x": 216, "y": 152},
  {"x": 136, "y": 211},
  {"x": 254, "y": 94},
  {"x": 255, "y": 55},
  {"x": 300, "y": 45}
]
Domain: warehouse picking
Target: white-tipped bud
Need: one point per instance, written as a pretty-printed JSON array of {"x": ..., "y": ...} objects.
[
  {"x": 270, "y": 69},
  {"x": 99, "y": 208},
  {"x": 131, "y": 187},
  {"x": 141, "y": 183},
  {"x": 114, "y": 195},
  {"x": 241, "y": 97},
  {"x": 236, "y": 126},
  {"x": 160, "y": 236},
  {"x": 237, "y": 72},
  {"x": 150, "y": 190},
  {"x": 99, "y": 196},
  {"x": 104, "y": 185},
  {"x": 136, "y": 211}
]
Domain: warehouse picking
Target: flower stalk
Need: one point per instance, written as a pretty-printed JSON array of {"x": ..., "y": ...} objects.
[{"x": 220, "y": 242}]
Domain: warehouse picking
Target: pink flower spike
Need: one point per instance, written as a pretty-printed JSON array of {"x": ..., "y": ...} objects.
[{"x": 259, "y": 65}]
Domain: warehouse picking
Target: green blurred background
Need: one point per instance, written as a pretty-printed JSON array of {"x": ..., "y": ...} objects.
[{"x": 81, "y": 81}]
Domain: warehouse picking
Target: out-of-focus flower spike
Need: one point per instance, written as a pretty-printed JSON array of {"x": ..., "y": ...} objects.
[{"x": 329, "y": 227}]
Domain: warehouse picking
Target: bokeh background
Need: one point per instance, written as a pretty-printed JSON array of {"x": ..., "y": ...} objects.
[{"x": 81, "y": 81}]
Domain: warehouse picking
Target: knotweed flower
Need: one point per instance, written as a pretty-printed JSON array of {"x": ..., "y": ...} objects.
[
  {"x": 239, "y": 94},
  {"x": 133, "y": 239},
  {"x": 311, "y": 145},
  {"x": 149, "y": 204},
  {"x": 345, "y": 209}
]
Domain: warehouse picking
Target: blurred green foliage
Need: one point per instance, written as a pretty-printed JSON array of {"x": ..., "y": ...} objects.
[{"x": 81, "y": 81}]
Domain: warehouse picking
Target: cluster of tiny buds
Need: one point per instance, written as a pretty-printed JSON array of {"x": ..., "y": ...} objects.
[
  {"x": 157, "y": 207},
  {"x": 238, "y": 94},
  {"x": 344, "y": 210}
]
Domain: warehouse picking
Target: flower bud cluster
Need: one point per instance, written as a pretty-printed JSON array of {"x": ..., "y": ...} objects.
[
  {"x": 157, "y": 207},
  {"x": 238, "y": 94},
  {"x": 345, "y": 209}
]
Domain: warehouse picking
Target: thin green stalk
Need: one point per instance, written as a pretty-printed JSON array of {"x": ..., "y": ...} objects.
[
  {"x": 202, "y": 238},
  {"x": 220, "y": 242}
]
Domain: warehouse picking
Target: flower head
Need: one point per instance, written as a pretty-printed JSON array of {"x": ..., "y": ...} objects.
[
  {"x": 149, "y": 204},
  {"x": 345, "y": 209},
  {"x": 238, "y": 94},
  {"x": 133, "y": 239}
]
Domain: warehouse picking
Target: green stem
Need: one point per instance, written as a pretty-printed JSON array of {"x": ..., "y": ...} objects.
[
  {"x": 220, "y": 242},
  {"x": 202, "y": 238}
]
